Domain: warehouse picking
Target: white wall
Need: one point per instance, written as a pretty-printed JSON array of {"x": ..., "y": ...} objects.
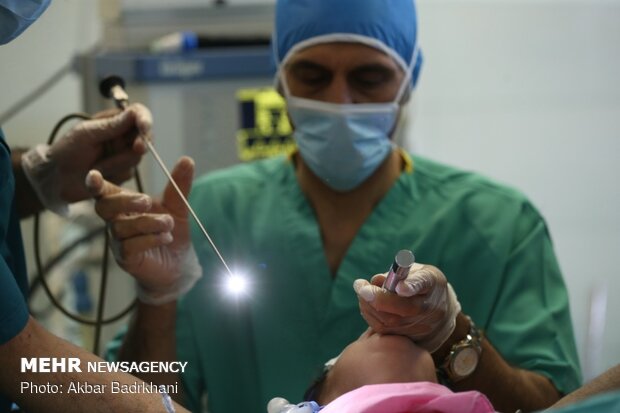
[
  {"x": 67, "y": 27},
  {"x": 528, "y": 93}
]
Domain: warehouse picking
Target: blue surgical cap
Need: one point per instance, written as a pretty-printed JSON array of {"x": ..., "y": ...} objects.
[{"x": 390, "y": 25}]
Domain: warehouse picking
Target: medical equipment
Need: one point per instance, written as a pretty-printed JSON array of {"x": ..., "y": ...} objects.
[
  {"x": 113, "y": 87},
  {"x": 236, "y": 285},
  {"x": 42, "y": 270},
  {"x": 281, "y": 405},
  {"x": 399, "y": 270}
]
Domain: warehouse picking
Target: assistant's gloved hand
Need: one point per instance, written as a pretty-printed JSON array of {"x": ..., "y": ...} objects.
[
  {"x": 107, "y": 143},
  {"x": 151, "y": 238},
  {"x": 424, "y": 307}
]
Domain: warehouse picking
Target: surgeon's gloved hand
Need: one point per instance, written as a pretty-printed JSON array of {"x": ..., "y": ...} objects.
[
  {"x": 424, "y": 307},
  {"x": 106, "y": 143},
  {"x": 151, "y": 238}
]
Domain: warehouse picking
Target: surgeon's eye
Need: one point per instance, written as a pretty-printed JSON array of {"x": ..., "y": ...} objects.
[
  {"x": 309, "y": 74},
  {"x": 371, "y": 77},
  {"x": 313, "y": 77}
]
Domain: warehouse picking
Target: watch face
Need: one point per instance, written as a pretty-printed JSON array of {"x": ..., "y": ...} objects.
[{"x": 465, "y": 362}]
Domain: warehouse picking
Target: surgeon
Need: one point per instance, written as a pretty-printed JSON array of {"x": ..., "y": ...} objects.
[
  {"x": 487, "y": 299},
  {"x": 52, "y": 176}
]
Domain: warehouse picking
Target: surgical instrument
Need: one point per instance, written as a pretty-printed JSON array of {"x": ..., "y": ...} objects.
[
  {"x": 113, "y": 87},
  {"x": 399, "y": 270}
]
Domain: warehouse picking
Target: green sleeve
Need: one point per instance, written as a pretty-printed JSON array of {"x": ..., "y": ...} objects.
[
  {"x": 13, "y": 309},
  {"x": 13, "y": 279},
  {"x": 531, "y": 323}
]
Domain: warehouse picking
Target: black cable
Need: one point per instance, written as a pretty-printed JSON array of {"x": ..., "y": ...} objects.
[
  {"x": 42, "y": 271},
  {"x": 102, "y": 288},
  {"x": 63, "y": 120},
  {"x": 51, "y": 263},
  {"x": 50, "y": 295},
  {"x": 56, "y": 259},
  {"x": 38, "y": 279}
]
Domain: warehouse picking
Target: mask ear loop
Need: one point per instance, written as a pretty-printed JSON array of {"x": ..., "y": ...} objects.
[
  {"x": 399, "y": 99},
  {"x": 280, "y": 83},
  {"x": 407, "y": 79}
]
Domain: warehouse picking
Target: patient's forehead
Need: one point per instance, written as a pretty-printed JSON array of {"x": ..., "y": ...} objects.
[
  {"x": 376, "y": 358},
  {"x": 374, "y": 353},
  {"x": 388, "y": 343}
]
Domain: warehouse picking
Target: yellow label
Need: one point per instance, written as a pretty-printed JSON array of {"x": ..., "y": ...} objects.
[{"x": 265, "y": 129}]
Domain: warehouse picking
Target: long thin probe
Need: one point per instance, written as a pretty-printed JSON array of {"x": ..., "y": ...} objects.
[
  {"x": 191, "y": 210},
  {"x": 113, "y": 87}
]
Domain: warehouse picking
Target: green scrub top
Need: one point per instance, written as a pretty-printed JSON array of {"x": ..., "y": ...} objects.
[
  {"x": 490, "y": 242},
  {"x": 13, "y": 277}
]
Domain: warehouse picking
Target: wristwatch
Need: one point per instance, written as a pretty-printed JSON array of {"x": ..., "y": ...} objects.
[{"x": 463, "y": 358}]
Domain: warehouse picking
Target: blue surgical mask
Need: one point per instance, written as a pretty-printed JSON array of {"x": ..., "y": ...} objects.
[
  {"x": 343, "y": 144},
  {"x": 17, "y": 15}
]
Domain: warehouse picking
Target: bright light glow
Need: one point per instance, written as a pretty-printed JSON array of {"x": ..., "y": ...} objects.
[{"x": 236, "y": 284}]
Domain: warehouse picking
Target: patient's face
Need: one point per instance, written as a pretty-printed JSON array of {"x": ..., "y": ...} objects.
[{"x": 375, "y": 359}]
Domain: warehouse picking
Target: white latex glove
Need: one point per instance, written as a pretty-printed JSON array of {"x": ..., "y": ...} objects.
[
  {"x": 150, "y": 238},
  {"x": 424, "y": 307},
  {"x": 107, "y": 143}
]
